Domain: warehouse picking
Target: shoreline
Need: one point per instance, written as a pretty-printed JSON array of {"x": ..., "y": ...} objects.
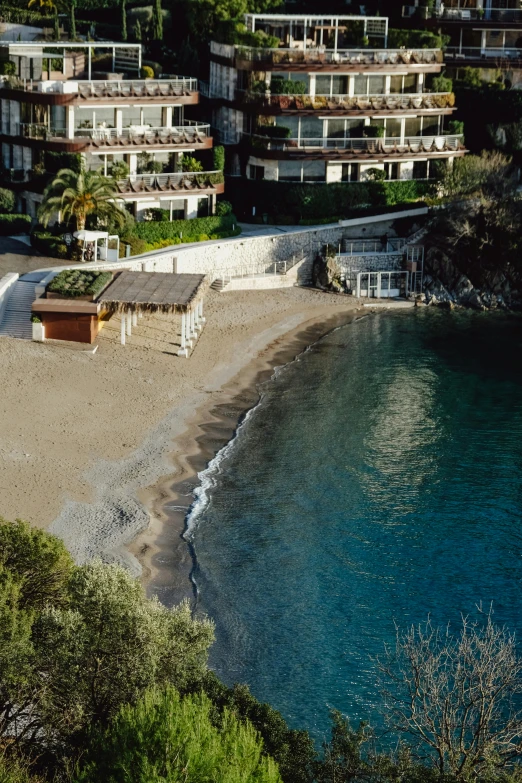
[{"x": 166, "y": 557}]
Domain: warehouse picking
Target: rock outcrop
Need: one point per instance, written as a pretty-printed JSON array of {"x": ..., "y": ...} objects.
[{"x": 447, "y": 286}]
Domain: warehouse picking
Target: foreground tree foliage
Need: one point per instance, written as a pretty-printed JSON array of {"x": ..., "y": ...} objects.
[
  {"x": 167, "y": 738},
  {"x": 99, "y": 684}
]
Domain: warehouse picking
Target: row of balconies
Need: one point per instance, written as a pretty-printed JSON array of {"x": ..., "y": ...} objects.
[{"x": 322, "y": 55}]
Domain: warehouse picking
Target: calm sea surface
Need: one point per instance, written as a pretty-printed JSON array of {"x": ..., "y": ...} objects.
[{"x": 379, "y": 480}]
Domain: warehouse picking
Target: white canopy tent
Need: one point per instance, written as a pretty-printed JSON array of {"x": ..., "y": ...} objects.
[{"x": 95, "y": 245}]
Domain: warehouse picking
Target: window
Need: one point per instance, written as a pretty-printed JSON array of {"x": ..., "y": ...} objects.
[
  {"x": 350, "y": 172},
  {"x": 393, "y": 128},
  {"x": 289, "y": 171},
  {"x": 420, "y": 169},
  {"x": 203, "y": 207},
  {"x": 392, "y": 170},
  {"x": 339, "y": 85},
  {"x": 360, "y": 85},
  {"x": 376, "y": 85},
  {"x": 336, "y": 133},
  {"x": 314, "y": 171},
  {"x": 412, "y": 126},
  {"x": 410, "y": 83},
  {"x": 396, "y": 84},
  {"x": 152, "y": 115},
  {"x": 256, "y": 172},
  {"x": 290, "y": 122},
  {"x": 323, "y": 85},
  {"x": 312, "y": 131},
  {"x": 430, "y": 126}
]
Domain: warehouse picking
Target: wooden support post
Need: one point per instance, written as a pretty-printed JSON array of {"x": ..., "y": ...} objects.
[
  {"x": 122, "y": 333},
  {"x": 135, "y": 319},
  {"x": 129, "y": 323}
]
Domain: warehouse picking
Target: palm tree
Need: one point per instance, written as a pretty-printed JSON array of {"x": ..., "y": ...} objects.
[{"x": 77, "y": 194}]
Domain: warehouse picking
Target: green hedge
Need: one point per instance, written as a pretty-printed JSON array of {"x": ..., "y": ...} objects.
[
  {"x": 78, "y": 282},
  {"x": 14, "y": 224},
  {"x": 156, "y": 231},
  {"x": 49, "y": 244},
  {"x": 321, "y": 201}
]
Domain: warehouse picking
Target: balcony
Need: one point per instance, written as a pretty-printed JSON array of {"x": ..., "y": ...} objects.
[
  {"x": 58, "y": 92},
  {"x": 192, "y": 135},
  {"x": 477, "y": 54},
  {"x": 268, "y": 58},
  {"x": 205, "y": 183},
  {"x": 357, "y": 148},
  {"x": 503, "y": 15},
  {"x": 343, "y": 103}
]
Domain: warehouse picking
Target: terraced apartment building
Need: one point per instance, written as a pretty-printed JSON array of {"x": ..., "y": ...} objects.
[
  {"x": 57, "y": 102},
  {"x": 329, "y": 102}
]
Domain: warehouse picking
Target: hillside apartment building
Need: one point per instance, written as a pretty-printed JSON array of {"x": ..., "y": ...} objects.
[
  {"x": 485, "y": 34},
  {"x": 59, "y": 101},
  {"x": 344, "y": 103}
]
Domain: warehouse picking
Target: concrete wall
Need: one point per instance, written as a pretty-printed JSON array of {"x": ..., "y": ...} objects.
[
  {"x": 210, "y": 257},
  {"x": 6, "y": 288}
]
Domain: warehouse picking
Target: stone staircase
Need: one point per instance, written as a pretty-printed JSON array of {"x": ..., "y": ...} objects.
[{"x": 17, "y": 317}]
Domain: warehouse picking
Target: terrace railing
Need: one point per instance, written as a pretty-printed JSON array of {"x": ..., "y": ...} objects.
[
  {"x": 140, "y": 88},
  {"x": 109, "y": 88},
  {"x": 390, "y": 102},
  {"x": 439, "y": 143},
  {"x": 482, "y": 53},
  {"x": 482, "y": 14},
  {"x": 189, "y": 132},
  {"x": 186, "y": 133},
  {"x": 342, "y": 56},
  {"x": 182, "y": 180}
]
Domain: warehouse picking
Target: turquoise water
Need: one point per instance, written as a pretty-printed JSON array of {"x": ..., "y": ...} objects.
[{"x": 379, "y": 480}]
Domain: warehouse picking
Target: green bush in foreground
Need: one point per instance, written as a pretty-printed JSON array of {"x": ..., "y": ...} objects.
[
  {"x": 14, "y": 224},
  {"x": 168, "y": 738}
]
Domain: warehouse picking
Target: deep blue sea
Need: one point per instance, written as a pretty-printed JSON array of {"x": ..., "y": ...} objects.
[{"x": 378, "y": 481}]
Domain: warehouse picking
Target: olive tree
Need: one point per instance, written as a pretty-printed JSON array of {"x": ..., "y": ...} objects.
[
  {"x": 455, "y": 696},
  {"x": 109, "y": 645}
]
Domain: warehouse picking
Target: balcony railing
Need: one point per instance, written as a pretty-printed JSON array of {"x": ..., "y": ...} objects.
[
  {"x": 393, "y": 102},
  {"x": 482, "y": 53},
  {"x": 388, "y": 144},
  {"x": 148, "y": 88},
  {"x": 117, "y": 88},
  {"x": 482, "y": 14},
  {"x": 179, "y": 181},
  {"x": 321, "y": 55},
  {"x": 189, "y": 133}
]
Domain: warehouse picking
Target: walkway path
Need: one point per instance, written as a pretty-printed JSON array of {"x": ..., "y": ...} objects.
[{"x": 17, "y": 319}]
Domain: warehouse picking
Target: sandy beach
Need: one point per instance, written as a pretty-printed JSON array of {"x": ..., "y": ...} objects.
[{"x": 94, "y": 445}]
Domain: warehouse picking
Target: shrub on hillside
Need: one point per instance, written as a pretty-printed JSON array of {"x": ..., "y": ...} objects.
[
  {"x": 7, "y": 201},
  {"x": 156, "y": 231},
  {"x": 14, "y": 224}
]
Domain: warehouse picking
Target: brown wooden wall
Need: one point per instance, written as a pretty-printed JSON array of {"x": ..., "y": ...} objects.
[{"x": 65, "y": 326}]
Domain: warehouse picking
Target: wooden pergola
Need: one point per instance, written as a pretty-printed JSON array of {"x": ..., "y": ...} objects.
[{"x": 134, "y": 293}]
